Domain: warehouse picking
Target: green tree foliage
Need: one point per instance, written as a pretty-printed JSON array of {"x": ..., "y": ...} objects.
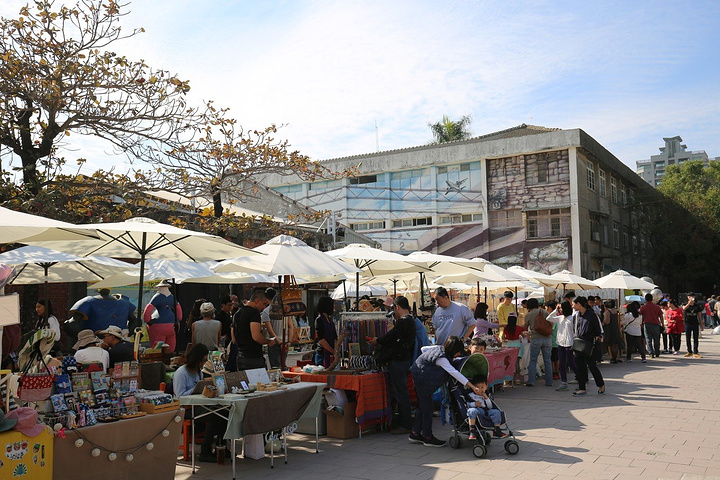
[
  {"x": 685, "y": 228},
  {"x": 58, "y": 75},
  {"x": 450, "y": 130}
]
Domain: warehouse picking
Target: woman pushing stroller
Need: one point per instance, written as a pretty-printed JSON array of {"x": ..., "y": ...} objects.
[{"x": 430, "y": 371}]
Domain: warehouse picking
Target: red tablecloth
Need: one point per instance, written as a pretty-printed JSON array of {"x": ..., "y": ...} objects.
[
  {"x": 501, "y": 365},
  {"x": 371, "y": 392}
]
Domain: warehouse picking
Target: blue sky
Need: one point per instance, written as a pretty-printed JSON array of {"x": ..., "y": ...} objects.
[{"x": 628, "y": 73}]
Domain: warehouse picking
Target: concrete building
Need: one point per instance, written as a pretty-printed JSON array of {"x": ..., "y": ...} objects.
[
  {"x": 673, "y": 153},
  {"x": 544, "y": 198}
]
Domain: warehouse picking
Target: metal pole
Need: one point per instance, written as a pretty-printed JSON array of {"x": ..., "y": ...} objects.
[
  {"x": 142, "y": 279},
  {"x": 422, "y": 296}
]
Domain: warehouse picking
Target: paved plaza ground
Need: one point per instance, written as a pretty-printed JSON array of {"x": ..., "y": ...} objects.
[{"x": 657, "y": 420}]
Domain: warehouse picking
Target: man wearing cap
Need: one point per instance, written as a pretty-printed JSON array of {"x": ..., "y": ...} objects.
[
  {"x": 119, "y": 349},
  {"x": 451, "y": 318},
  {"x": 161, "y": 315},
  {"x": 247, "y": 333},
  {"x": 89, "y": 351},
  {"x": 401, "y": 342},
  {"x": 207, "y": 330}
]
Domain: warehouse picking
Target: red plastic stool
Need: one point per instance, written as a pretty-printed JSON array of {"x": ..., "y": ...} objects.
[{"x": 186, "y": 432}]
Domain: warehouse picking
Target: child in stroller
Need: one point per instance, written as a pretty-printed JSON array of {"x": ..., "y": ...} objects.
[
  {"x": 478, "y": 413},
  {"x": 481, "y": 406}
]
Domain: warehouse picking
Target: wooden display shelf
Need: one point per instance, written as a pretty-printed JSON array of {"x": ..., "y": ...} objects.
[{"x": 150, "y": 408}]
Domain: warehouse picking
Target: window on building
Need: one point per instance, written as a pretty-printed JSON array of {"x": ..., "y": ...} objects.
[
  {"x": 616, "y": 235},
  {"x": 613, "y": 190},
  {"x": 412, "y": 222},
  {"x": 289, "y": 188},
  {"x": 536, "y": 169},
  {"x": 595, "y": 230},
  {"x": 642, "y": 245},
  {"x": 626, "y": 239},
  {"x": 505, "y": 218},
  {"x": 603, "y": 183},
  {"x": 459, "y": 218},
  {"x": 324, "y": 185},
  {"x": 590, "y": 176},
  {"x": 372, "y": 225},
  {"x": 635, "y": 244},
  {"x": 548, "y": 223},
  {"x": 363, "y": 179},
  {"x": 624, "y": 196}
]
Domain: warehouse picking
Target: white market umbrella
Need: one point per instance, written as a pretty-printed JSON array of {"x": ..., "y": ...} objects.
[
  {"x": 533, "y": 276},
  {"x": 177, "y": 270},
  {"x": 145, "y": 238},
  {"x": 286, "y": 255},
  {"x": 568, "y": 280},
  {"x": 39, "y": 265},
  {"x": 623, "y": 280},
  {"x": 341, "y": 292},
  {"x": 374, "y": 261},
  {"x": 26, "y": 228}
]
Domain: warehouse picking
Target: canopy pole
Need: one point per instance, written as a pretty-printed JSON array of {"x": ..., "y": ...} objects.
[
  {"x": 478, "y": 292},
  {"x": 46, "y": 313},
  {"x": 395, "y": 287},
  {"x": 345, "y": 301},
  {"x": 142, "y": 280},
  {"x": 422, "y": 293},
  {"x": 357, "y": 291}
]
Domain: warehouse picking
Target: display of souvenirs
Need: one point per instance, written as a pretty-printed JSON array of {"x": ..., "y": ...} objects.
[
  {"x": 62, "y": 384},
  {"x": 99, "y": 381},
  {"x": 58, "y": 402},
  {"x": 87, "y": 398},
  {"x": 154, "y": 397},
  {"x": 80, "y": 381},
  {"x": 101, "y": 396}
]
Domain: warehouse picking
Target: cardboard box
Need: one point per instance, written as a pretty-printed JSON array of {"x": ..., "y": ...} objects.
[{"x": 342, "y": 425}]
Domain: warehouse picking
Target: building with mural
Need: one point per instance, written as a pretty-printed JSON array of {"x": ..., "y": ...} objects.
[{"x": 545, "y": 198}]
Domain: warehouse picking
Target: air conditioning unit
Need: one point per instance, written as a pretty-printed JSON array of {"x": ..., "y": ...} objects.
[{"x": 596, "y": 236}]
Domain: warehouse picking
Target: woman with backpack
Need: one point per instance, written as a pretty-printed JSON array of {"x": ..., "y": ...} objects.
[{"x": 540, "y": 341}]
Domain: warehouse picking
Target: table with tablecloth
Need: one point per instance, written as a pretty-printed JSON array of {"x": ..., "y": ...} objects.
[
  {"x": 73, "y": 460},
  {"x": 370, "y": 389},
  {"x": 501, "y": 365}
]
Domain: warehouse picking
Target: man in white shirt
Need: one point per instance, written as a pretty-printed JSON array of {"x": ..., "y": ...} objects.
[
  {"x": 451, "y": 318},
  {"x": 89, "y": 351}
]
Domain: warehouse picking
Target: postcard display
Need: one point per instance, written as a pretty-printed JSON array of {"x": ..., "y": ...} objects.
[{"x": 358, "y": 326}]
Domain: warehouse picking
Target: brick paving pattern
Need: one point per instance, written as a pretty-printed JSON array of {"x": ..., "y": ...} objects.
[{"x": 658, "y": 420}]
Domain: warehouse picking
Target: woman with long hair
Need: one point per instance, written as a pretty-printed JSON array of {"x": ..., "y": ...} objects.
[
  {"x": 42, "y": 308},
  {"x": 431, "y": 370},
  {"x": 325, "y": 332},
  {"x": 612, "y": 331},
  {"x": 632, "y": 321},
  {"x": 587, "y": 328},
  {"x": 483, "y": 325},
  {"x": 511, "y": 338},
  {"x": 565, "y": 336}
]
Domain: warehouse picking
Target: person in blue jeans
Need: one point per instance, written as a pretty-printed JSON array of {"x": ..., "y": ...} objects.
[
  {"x": 480, "y": 404},
  {"x": 401, "y": 342},
  {"x": 538, "y": 343}
]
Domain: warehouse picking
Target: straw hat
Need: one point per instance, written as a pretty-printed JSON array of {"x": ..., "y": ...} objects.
[
  {"x": 85, "y": 338},
  {"x": 113, "y": 330}
]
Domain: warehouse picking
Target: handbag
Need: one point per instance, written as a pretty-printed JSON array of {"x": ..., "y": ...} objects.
[
  {"x": 35, "y": 387},
  {"x": 291, "y": 296},
  {"x": 582, "y": 347}
]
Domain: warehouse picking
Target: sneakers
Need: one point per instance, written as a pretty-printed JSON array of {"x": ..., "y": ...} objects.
[
  {"x": 497, "y": 433},
  {"x": 416, "y": 438},
  {"x": 529, "y": 385},
  {"x": 643, "y": 360},
  {"x": 472, "y": 436},
  {"x": 563, "y": 387},
  {"x": 573, "y": 382},
  {"x": 556, "y": 376},
  {"x": 433, "y": 442},
  {"x": 666, "y": 351},
  {"x": 688, "y": 354},
  {"x": 675, "y": 353},
  {"x": 697, "y": 355}
]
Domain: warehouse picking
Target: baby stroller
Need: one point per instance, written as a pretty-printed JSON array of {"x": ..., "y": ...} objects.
[{"x": 475, "y": 364}]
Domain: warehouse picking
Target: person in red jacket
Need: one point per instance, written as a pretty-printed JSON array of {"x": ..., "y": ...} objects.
[{"x": 675, "y": 325}]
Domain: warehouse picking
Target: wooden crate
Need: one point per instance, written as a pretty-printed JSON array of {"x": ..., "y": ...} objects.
[{"x": 150, "y": 408}]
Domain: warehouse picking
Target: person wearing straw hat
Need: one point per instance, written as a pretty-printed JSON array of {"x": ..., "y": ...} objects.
[
  {"x": 89, "y": 351},
  {"x": 119, "y": 349}
]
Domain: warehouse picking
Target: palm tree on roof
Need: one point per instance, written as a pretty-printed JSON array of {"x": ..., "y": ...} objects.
[{"x": 449, "y": 131}]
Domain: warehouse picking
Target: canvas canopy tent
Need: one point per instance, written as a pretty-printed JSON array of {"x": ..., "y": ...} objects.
[
  {"x": 569, "y": 281},
  {"x": 145, "y": 238},
  {"x": 26, "y": 228}
]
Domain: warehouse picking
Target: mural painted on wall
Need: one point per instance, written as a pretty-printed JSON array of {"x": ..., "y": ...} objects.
[{"x": 440, "y": 209}]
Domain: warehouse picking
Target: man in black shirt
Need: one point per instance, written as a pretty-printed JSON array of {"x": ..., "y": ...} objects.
[
  {"x": 223, "y": 315},
  {"x": 401, "y": 342},
  {"x": 692, "y": 311},
  {"x": 120, "y": 350},
  {"x": 247, "y": 333}
]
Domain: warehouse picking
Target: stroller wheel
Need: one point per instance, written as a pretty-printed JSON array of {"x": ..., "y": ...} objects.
[
  {"x": 479, "y": 451},
  {"x": 455, "y": 441},
  {"x": 512, "y": 447}
]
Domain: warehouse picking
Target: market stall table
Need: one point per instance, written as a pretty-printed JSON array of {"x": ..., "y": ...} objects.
[
  {"x": 258, "y": 412},
  {"x": 370, "y": 389},
  {"x": 123, "y": 437},
  {"x": 501, "y": 365}
]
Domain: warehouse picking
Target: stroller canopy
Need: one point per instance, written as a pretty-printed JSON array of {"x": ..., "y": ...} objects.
[{"x": 475, "y": 364}]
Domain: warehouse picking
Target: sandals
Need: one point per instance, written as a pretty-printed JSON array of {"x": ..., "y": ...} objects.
[
  {"x": 579, "y": 393},
  {"x": 601, "y": 390}
]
